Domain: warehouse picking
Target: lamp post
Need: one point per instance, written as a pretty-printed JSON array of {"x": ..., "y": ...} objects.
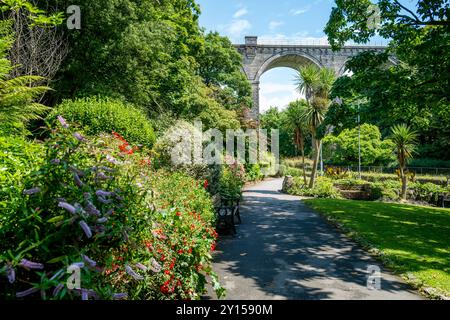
[{"x": 359, "y": 142}]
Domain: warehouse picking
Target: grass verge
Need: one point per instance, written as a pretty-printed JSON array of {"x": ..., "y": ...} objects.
[{"x": 413, "y": 241}]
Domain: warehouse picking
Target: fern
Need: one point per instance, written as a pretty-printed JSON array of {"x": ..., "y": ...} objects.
[{"x": 17, "y": 95}]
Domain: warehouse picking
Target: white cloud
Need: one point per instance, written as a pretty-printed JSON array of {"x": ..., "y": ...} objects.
[
  {"x": 275, "y": 24},
  {"x": 240, "y": 13},
  {"x": 297, "y": 12},
  {"x": 237, "y": 28}
]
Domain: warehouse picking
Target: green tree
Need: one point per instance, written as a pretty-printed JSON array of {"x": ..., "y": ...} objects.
[
  {"x": 406, "y": 84},
  {"x": 317, "y": 85},
  {"x": 343, "y": 148},
  {"x": 220, "y": 67},
  {"x": 405, "y": 140},
  {"x": 295, "y": 121}
]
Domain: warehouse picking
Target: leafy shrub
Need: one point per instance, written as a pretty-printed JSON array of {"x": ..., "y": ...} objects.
[
  {"x": 323, "y": 189},
  {"x": 132, "y": 232},
  {"x": 168, "y": 157},
  {"x": 232, "y": 179},
  {"x": 18, "y": 157},
  {"x": 343, "y": 149},
  {"x": 428, "y": 192},
  {"x": 388, "y": 190},
  {"x": 253, "y": 172},
  {"x": 99, "y": 115}
]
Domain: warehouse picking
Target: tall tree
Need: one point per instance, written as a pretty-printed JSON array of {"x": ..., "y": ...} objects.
[
  {"x": 405, "y": 140},
  {"x": 294, "y": 116},
  {"x": 320, "y": 82}
]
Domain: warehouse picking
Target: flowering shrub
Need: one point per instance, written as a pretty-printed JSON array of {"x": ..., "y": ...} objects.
[
  {"x": 232, "y": 179},
  {"x": 323, "y": 188},
  {"x": 96, "y": 205}
]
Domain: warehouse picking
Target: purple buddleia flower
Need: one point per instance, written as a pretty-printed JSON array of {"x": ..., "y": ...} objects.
[
  {"x": 106, "y": 169},
  {"x": 91, "y": 262},
  {"x": 67, "y": 207},
  {"x": 101, "y": 193},
  {"x": 120, "y": 296},
  {"x": 104, "y": 201},
  {"x": 92, "y": 210},
  {"x": 119, "y": 198},
  {"x": 78, "y": 181},
  {"x": 141, "y": 266},
  {"x": 132, "y": 273},
  {"x": 78, "y": 136},
  {"x": 77, "y": 264},
  {"x": 155, "y": 266},
  {"x": 111, "y": 159},
  {"x": 77, "y": 171},
  {"x": 103, "y": 176},
  {"x": 57, "y": 289},
  {"x": 84, "y": 295},
  {"x": 102, "y": 220},
  {"x": 11, "y": 273},
  {"x": 25, "y": 293},
  {"x": 31, "y": 192},
  {"x": 100, "y": 229},
  {"x": 55, "y": 161},
  {"x": 31, "y": 265},
  {"x": 86, "y": 229},
  {"x": 63, "y": 122},
  {"x": 109, "y": 212}
]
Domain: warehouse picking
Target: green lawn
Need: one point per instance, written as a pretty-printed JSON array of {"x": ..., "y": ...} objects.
[{"x": 414, "y": 240}]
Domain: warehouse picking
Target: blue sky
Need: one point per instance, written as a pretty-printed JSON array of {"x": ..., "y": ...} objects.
[{"x": 269, "y": 19}]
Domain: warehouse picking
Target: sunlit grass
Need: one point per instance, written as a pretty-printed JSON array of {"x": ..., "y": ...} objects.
[{"x": 415, "y": 240}]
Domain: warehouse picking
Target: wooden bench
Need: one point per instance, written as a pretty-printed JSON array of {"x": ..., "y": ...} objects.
[{"x": 228, "y": 214}]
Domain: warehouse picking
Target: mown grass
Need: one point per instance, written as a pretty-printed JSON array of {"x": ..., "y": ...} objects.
[{"x": 413, "y": 240}]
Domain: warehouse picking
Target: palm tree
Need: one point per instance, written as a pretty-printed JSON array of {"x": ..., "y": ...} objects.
[
  {"x": 306, "y": 80},
  {"x": 316, "y": 84},
  {"x": 405, "y": 140},
  {"x": 313, "y": 116},
  {"x": 295, "y": 121}
]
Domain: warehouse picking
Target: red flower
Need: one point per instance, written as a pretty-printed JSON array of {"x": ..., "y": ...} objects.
[
  {"x": 178, "y": 214},
  {"x": 213, "y": 246},
  {"x": 180, "y": 251},
  {"x": 206, "y": 184},
  {"x": 190, "y": 250}
]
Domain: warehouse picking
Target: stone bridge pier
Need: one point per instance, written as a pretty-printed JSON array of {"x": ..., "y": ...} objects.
[{"x": 259, "y": 58}]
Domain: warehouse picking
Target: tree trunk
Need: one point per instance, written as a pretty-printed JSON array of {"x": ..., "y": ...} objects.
[
  {"x": 317, "y": 144},
  {"x": 404, "y": 183},
  {"x": 301, "y": 146}
]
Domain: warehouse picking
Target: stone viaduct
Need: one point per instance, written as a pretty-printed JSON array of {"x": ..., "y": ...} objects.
[{"x": 259, "y": 58}]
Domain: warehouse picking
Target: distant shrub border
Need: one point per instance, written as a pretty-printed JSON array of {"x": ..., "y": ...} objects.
[{"x": 97, "y": 115}]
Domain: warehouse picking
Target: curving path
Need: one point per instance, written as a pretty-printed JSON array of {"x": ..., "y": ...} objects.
[{"x": 283, "y": 250}]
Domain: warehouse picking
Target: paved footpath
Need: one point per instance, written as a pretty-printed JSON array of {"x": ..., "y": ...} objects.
[{"x": 284, "y": 250}]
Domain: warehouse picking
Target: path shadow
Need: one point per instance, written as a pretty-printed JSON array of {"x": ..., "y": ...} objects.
[{"x": 286, "y": 251}]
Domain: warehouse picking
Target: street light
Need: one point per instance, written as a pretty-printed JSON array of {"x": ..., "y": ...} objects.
[{"x": 359, "y": 141}]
